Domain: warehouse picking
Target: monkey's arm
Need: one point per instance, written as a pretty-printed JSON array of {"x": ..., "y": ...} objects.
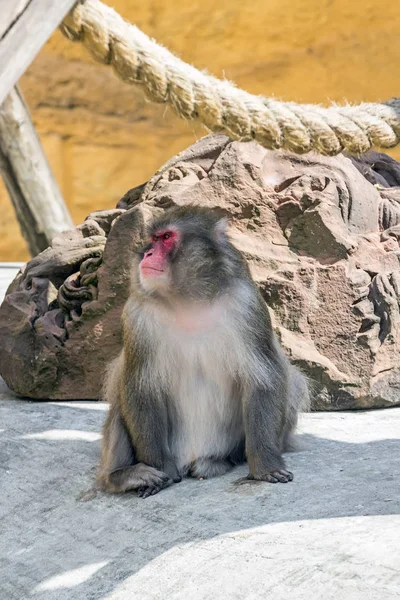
[
  {"x": 119, "y": 471},
  {"x": 145, "y": 415},
  {"x": 263, "y": 423},
  {"x": 265, "y": 404}
]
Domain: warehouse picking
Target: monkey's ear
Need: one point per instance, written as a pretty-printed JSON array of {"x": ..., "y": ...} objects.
[{"x": 221, "y": 228}]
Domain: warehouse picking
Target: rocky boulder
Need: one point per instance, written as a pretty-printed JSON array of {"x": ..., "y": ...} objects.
[{"x": 322, "y": 239}]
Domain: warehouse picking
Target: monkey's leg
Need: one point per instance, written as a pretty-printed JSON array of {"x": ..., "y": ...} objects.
[
  {"x": 238, "y": 454},
  {"x": 263, "y": 419},
  {"x": 288, "y": 443},
  {"x": 209, "y": 467},
  {"x": 298, "y": 400},
  {"x": 118, "y": 471}
]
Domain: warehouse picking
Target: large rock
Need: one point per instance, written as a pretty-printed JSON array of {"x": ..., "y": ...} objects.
[{"x": 322, "y": 239}]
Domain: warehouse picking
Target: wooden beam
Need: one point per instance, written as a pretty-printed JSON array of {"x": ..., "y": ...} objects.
[
  {"x": 37, "y": 200},
  {"x": 10, "y": 12},
  {"x": 25, "y": 25}
]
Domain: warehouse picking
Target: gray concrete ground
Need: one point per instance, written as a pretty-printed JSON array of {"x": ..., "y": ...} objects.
[{"x": 334, "y": 532}]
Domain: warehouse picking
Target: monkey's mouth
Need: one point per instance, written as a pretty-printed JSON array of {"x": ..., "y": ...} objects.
[{"x": 151, "y": 271}]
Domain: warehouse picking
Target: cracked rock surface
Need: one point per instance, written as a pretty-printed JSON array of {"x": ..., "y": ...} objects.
[{"x": 322, "y": 239}]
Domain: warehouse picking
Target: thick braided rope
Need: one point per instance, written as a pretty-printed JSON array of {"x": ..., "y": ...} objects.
[{"x": 218, "y": 104}]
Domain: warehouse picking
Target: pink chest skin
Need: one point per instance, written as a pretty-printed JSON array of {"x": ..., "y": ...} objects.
[{"x": 199, "y": 319}]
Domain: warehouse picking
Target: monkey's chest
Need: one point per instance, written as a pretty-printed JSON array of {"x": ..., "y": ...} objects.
[{"x": 208, "y": 413}]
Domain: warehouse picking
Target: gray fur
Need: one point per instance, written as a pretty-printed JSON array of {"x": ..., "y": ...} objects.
[
  {"x": 202, "y": 376},
  {"x": 204, "y": 468}
]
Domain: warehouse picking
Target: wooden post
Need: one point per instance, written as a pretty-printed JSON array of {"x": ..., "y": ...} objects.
[
  {"x": 37, "y": 200},
  {"x": 25, "y": 25}
]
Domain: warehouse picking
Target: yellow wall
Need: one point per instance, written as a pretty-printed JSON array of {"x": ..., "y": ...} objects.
[{"x": 102, "y": 138}]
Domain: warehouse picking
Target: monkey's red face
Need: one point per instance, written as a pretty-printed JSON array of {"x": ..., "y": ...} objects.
[
  {"x": 155, "y": 265},
  {"x": 187, "y": 259}
]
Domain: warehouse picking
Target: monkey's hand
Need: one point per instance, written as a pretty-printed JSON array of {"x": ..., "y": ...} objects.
[
  {"x": 151, "y": 481},
  {"x": 272, "y": 476},
  {"x": 267, "y": 466}
]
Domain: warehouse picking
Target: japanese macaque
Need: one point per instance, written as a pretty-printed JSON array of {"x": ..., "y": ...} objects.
[{"x": 201, "y": 383}]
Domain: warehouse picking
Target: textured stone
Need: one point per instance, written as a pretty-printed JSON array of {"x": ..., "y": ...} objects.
[
  {"x": 64, "y": 308},
  {"x": 311, "y": 229}
]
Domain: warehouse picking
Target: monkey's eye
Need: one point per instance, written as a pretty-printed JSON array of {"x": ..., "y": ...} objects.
[
  {"x": 154, "y": 238},
  {"x": 166, "y": 236}
]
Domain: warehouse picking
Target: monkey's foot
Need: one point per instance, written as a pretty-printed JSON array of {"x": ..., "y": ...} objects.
[
  {"x": 204, "y": 468},
  {"x": 140, "y": 477},
  {"x": 152, "y": 481},
  {"x": 273, "y": 476},
  {"x": 149, "y": 490}
]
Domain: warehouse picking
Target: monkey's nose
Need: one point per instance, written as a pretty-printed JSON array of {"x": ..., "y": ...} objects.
[{"x": 149, "y": 253}]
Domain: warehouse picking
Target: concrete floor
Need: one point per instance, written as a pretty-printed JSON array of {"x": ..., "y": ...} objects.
[{"x": 334, "y": 532}]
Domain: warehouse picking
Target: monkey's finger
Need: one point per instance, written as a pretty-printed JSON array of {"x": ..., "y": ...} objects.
[
  {"x": 144, "y": 492},
  {"x": 268, "y": 477},
  {"x": 282, "y": 476}
]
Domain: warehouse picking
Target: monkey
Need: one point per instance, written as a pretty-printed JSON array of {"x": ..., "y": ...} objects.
[{"x": 201, "y": 383}]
